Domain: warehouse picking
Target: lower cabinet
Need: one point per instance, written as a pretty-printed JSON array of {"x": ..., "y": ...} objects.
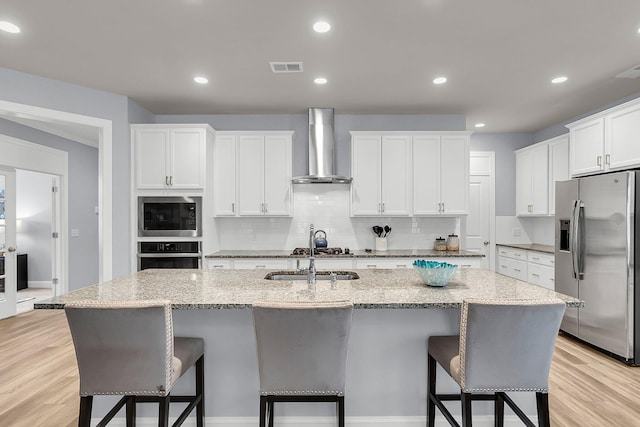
[
  {"x": 328, "y": 263},
  {"x": 534, "y": 267}
]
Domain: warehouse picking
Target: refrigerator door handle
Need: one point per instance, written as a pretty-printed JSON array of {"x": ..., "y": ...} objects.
[{"x": 577, "y": 240}]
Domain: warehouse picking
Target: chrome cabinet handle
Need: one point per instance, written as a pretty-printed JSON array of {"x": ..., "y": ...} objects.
[
  {"x": 266, "y": 208},
  {"x": 166, "y": 181},
  {"x": 486, "y": 242},
  {"x": 535, "y": 275},
  {"x": 371, "y": 265},
  {"x": 11, "y": 249},
  {"x": 233, "y": 208},
  {"x": 607, "y": 159},
  {"x": 382, "y": 207},
  {"x": 170, "y": 179},
  {"x": 599, "y": 161}
]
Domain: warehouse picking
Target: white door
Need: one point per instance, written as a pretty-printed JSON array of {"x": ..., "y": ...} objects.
[
  {"x": 480, "y": 224},
  {"x": 8, "y": 242}
]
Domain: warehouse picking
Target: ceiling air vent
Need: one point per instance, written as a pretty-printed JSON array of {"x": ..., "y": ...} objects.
[
  {"x": 286, "y": 67},
  {"x": 630, "y": 74}
]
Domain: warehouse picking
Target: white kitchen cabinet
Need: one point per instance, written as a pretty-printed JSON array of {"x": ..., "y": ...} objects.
[
  {"x": 532, "y": 180},
  {"x": 219, "y": 264},
  {"x": 540, "y": 269},
  {"x": 330, "y": 264},
  {"x": 170, "y": 156},
  {"x": 440, "y": 174},
  {"x": 606, "y": 141},
  {"x": 264, "y": 168},
  {"x": 261, "y": 263},
  {"x": 224, "y": 175},
  {"x": 558, "y": 166},
  {"x": 381, "y": 170},
  {"x": 461, "y": 262},
  {"x": 512, "y": 263}
]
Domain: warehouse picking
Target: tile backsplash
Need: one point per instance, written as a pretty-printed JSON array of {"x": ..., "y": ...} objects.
[{"x": 326, "y": 206}]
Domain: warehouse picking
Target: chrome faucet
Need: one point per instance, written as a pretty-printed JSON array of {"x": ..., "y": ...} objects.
[{"x": 311, "y": 272}]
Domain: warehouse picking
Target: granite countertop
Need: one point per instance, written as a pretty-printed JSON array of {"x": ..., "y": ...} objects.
[
  {"x": 547, "y": 249},
  {"x": 394, "y": 253},
  {"x": 376, "y": 289}
]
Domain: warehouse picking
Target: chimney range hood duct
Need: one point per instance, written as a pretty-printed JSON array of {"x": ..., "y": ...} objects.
[{"x": 321, "y": 150}]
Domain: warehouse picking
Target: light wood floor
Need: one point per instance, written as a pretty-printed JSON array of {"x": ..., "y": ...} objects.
[{"x": 39, "y": 378}]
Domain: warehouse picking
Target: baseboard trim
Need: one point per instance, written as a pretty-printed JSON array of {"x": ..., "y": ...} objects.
[
  {"x": 39, "y": 284},
  {"x": 478, "y": 421}
]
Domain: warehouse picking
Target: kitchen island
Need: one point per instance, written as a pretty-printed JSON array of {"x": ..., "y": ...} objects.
[{"x": 386, "y": 369}]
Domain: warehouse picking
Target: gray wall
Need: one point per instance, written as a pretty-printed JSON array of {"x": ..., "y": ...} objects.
[
  {"x": 504, "y": 145},
  {"x": 343, "y": 124},
  {"x": 47, "y": 93},
  {"x": 83, "y": 198}
]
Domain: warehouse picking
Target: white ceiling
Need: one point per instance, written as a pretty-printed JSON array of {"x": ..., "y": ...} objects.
[{"x": 379, "y": 58}]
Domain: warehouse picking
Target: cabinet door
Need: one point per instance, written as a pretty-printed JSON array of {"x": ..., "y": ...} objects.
[
  {"x": 152, "y": 146},
  {"x": 365, "y": 169},
  {"x": 587, "y": 147},
  {"x": 251, "y": 175},
  {"x": 623, "y": 135},
  {"x": 187, "y": 158},
  {"x": 524, "y": 172},
  {"x": 224, "y": 176},
  {"x": 277, "y": 175},
  {"x": 426, "y": 175},
  {"x": 395, "y": 181},
  {"x": 540, "y": 181},
  {"x": 558, "y": 168},
  {"x": 454, "y": 173}
]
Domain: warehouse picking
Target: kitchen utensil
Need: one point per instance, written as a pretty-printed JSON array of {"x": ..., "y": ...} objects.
[
  {"x": 453, "y": 243},
  {"x": 320, "y": 239},
  {"x": 434, "y": 273},
  {"x": 378, "y": 230},
  {"x": 387, "y": 230}
]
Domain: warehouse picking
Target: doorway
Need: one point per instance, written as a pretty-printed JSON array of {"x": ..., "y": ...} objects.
[{"x": 481, "y": 220}]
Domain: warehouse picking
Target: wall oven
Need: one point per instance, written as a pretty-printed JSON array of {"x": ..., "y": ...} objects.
[
  {"x": 168, "y": 255},
  {"x": 169, "y": 216}
]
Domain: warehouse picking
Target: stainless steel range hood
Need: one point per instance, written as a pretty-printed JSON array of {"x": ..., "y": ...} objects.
[{"x": 321, "y": 150}]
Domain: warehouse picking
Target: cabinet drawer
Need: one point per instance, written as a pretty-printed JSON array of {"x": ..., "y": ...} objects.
[
  {"x": 541, "y": 275},
  {"x": 512, "y": 268},
  {"x": 329, "y": 264},
  {"x": 541, "y": 258},
  {"x": 512, "y": 253},
  {"x": 249, "y": 264},
  {"x": 219, "y": 264},
  {"x": 384, "y": 263}
]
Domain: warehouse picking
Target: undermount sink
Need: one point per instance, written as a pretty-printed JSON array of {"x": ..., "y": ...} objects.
[{"x": 320, "y": 275}]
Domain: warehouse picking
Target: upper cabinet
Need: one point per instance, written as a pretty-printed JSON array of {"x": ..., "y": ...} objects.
[
  {"x": 441, "y": 175},
  {"x": 252, "y": 173},
  {"x": 409, "y": 173},
  {"x": 538, "y": 167},
  {"x": 606, "y": 141},
  {"x": 381, "y": 170},
  {"x": 170, "y": 156}
]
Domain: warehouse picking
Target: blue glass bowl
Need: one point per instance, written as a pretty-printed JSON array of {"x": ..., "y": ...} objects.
[{"x": 434, "y": 273}]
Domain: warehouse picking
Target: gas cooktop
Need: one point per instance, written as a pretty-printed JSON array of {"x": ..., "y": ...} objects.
[{"x": 321, "y": 251}]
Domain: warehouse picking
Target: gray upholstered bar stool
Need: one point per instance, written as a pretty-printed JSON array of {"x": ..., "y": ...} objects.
[
  {"x": 302, "y": 353},
  {"x": 504, "y": 345},
  {"x": 128, "y": 349}
]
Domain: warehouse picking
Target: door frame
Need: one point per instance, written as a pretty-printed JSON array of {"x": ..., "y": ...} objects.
[
  {"x": 485, "y": 165},
  {"x": 105, "y": 175}
]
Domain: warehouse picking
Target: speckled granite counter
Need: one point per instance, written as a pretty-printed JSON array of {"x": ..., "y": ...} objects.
[
  {"x": 395, "y": 253},
  {"x": 376, "y": 289},
  {"x": 547, "y": 249}
]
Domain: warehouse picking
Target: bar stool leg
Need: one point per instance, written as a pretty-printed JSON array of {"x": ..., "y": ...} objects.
[
  {"x": 131, "y": 411},
  {"x": 340, "y": 411},
  {"x": 263, "y": 410},
  {"x": 270, "y": 411},
  {"x": 84, "y": 418},
  {"x": 542, "y": 401},
  {"x": 431, "y": 378},
  {"x": 465, "y": 399},
  {"x": 499, "y": 410},
  {"x": 163, "y": 412},
  {"x": 200, "y": 391}
]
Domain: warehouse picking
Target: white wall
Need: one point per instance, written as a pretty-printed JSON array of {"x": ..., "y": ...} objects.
[
  {"x": 326, "y": 206},
  {"x": 33, "y": 225},
  {"x": 511, "y": 229}
]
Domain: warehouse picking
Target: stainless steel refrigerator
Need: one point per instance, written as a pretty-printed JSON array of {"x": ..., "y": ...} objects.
[{"x": 595, "y": 258}]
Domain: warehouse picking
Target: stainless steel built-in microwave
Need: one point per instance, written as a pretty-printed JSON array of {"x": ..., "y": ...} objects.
[{"x": 169, "y": 216}]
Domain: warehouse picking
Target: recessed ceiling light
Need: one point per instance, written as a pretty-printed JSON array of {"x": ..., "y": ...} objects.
[
  {"x": 439, "y": 80},
  {"x": 560, "y": 79},
  {"x": 321, "y": 27},
  {"x": 479, "y": 125},
  {"x": 320, "y": 81},
  {"x": 201, "y": 80},
  {"x": 9, "y": 27}
]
